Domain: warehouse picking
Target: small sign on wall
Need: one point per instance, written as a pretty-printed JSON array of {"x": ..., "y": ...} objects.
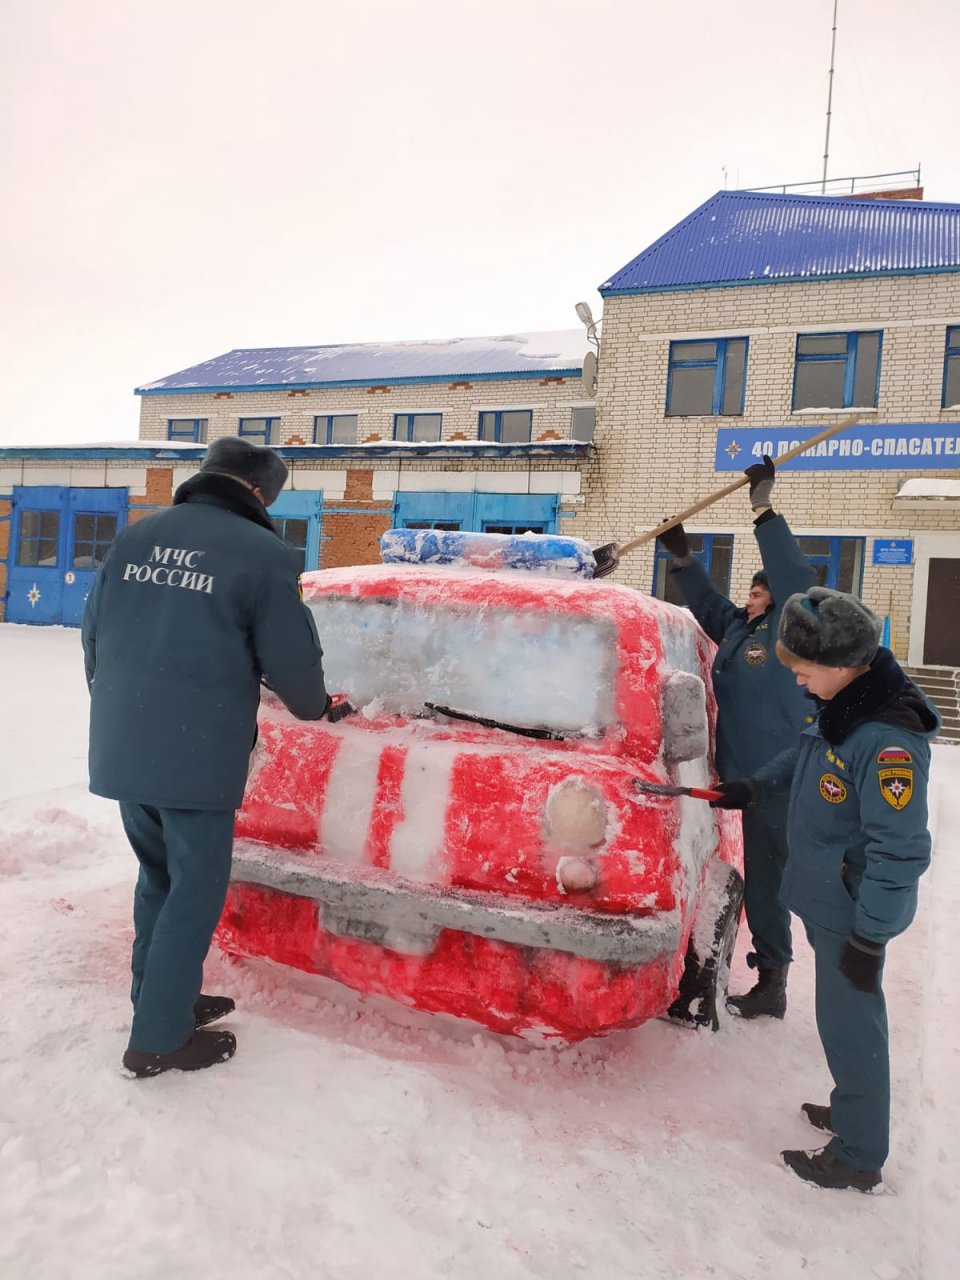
[{"x": 893, "y": 551}]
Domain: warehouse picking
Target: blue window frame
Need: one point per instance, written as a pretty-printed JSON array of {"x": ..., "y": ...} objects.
[
  {"x": 477, "y": 512},
  {"x": 837, "y": 562},
  {"x": 715, "y": 553},
  {"x": 418, "y": 428},
  {"x": 258, "y": 430},
  {"x": 335, "y": 428},
  {"x": 298, "y": 516},
  {"x": 707, "y": 377},
  {"x": 506, "y": 426},
  {"x": 93, "y": 532},
  {"x": 194, "y": 429},
  {"x": 837, "y": 370},
  {"x": 951, "y": 370}
]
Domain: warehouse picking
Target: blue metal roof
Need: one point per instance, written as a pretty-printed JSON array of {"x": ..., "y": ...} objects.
[
  {"x": 517, "y": 355},
  {"x": 753, "y": 237}
]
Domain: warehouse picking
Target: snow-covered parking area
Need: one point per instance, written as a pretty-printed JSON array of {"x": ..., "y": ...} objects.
[{"x": 350, "y": 1138}]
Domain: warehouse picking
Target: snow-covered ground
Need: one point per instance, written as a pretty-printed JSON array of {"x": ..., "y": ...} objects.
[{"x": 351, "y": 1139}]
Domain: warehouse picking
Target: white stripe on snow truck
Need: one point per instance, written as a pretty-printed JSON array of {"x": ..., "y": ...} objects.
[{"x": 171, "y": 567}]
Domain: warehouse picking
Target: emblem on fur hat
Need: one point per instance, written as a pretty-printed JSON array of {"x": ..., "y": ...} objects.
[{"x": 830, "y": 628}]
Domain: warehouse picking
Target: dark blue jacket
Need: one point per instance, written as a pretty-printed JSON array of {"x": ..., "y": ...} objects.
[
  {"x": 192, "y": 607},
  {"x": 760, "y": 707},
  {"x": 857, "y": 825}
]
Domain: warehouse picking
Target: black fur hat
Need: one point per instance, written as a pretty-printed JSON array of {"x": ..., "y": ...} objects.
[
  {"x": 830, "y": 628},
  {"x": 233, "y": 456},
  {"x": 760, "y": 579}
]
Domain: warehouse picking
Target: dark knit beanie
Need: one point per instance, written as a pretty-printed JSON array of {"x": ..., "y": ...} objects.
[
  {"x": 262, "y": 468},
  {"x": 830, "y": 628},
  {"x": 760, "y": 579}
]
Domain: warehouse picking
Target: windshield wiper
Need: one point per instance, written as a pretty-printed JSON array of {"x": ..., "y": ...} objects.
[{"x": 523, "y": 730}]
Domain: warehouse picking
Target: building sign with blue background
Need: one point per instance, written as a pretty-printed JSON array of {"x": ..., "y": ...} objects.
[
  {"x": 893, "y": 551},
  {"x": 879, "y": 447}
]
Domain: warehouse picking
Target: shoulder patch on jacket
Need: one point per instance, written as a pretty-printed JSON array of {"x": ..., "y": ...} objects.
[
  {"x": 896, "y": 786},
  {"x": 832, "y": 789},
  {"x": 755, "y": 654},
  {"x": 894, "y": 755}
]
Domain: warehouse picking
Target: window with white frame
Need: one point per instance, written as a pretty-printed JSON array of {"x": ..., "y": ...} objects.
[
  {"x": 951, "y": 370},
  {"x": 707, "y": 377},
  {"x": 258, "y": 430},
  {"x": 583, "y": 421},
  {"x": 506, "y": 426},
  {"x": 335, "y": 428},
  {"x": 190, "y": 429},
  {"x": 837, "y": 371},
  {"x": 417, "y": 428}
]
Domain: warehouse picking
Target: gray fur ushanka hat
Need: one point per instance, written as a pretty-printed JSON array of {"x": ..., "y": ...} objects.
[
  {"x": 260, "y": 467},
  {"x": 830, "y": 628}
]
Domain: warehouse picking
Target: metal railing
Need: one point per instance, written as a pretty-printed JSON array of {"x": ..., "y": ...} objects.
[{"x": 863, "y": 184}]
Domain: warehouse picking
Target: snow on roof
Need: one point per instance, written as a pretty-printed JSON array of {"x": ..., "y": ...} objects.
[
  {"x": 510, "y": 355},
  {"x": 751, "y": 237},
  {"x": 924, "y": 488}
]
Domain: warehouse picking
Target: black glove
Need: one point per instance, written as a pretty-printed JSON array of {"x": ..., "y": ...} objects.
[
  {"x": 736, "y": 795},
  {"x": 761, "y": 476},
  {"x": 675, "y": 541},
  {"x": 338, "y": 707},
  {"x": 861, "y": 962}
]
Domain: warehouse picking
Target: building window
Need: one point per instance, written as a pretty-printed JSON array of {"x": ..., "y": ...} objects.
[
  {"x": 837, "y": 371},
  {"x": 837, "y": 562},
  {"x": 293, "y": 531},
  {"x": 335, "y": 428},
  {"x": 536, "y": 526},
  {"x": 506, "y": 426},
  {"x": 39, "y": 535},
  {"x": 951, "y": 370},
  {"x": 451, "y": 526},
  {"x": 583, "y": 420},
  {"x": 93, "y": 533},
  {"x": 707, "y": 377},
  {"x": 715, "y": 553},
  {"x": 194, "y": 429},
  {"x": 418, "y": 428},
  {"x": 258, "y": 430}
]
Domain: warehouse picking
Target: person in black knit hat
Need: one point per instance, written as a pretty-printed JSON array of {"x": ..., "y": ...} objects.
[
  {"x": 760, "y": 711},
  {"x": 858, "y": 840}
]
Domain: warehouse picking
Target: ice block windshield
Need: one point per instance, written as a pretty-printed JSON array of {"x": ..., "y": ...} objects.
[{"x": 519, "y": 667}]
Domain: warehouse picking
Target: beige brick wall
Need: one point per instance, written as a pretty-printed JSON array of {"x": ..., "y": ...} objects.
[
  {"x": 549, "y": 397},
  {"x": 649, "y": 466}
]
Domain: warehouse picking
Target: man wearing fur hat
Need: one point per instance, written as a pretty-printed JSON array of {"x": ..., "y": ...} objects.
[
  {"x": 760, "y": 711},
  {"x": 858, "y": 838},
  {"x": 192, "y": 608}
]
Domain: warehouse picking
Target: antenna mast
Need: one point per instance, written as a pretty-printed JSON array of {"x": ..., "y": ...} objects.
[{"x": 826, "y": 141}]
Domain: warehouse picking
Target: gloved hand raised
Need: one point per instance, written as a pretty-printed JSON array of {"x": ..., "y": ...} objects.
[
  {"x": 761, "y": 476},
  {"x": 736, "y": 795},
  {"x": 861, "y": 962},
  {"x": 675, "y": 541},
  {"x": 338, "y": 708}
]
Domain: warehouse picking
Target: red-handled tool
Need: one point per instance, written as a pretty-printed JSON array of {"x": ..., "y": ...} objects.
[{"x": 658, "y": 789}]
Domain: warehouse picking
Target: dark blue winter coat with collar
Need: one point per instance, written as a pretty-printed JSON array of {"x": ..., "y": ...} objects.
[
  {"x": 857, "y": 823},
  {"x": 761, "y": 709},
  {"x": 190, "y": 610}
]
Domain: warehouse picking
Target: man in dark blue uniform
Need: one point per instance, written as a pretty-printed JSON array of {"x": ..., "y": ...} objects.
[
  {"x": 193, "y": 607},
  {"x": 760, "y": 711},
  {"x": 859, "y": 843}
]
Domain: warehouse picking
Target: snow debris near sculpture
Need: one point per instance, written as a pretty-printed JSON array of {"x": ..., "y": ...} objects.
[{"x": 471, "y": 841}]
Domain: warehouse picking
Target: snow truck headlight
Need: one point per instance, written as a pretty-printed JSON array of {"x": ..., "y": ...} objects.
[{"x": 575, "y": 816}]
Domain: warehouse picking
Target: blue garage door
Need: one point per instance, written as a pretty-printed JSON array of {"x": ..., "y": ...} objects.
[
  {"x": 477, "y": 512},
  {"x": 59, "y": 537},
  {"x": 298, "y": 518}
]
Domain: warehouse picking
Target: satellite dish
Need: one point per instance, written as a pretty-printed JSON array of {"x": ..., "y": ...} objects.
[{"x": 590, "y": 374}]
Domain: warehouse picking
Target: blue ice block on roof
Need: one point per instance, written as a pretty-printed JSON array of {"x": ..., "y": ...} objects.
[{"x": 546, "y": 554}]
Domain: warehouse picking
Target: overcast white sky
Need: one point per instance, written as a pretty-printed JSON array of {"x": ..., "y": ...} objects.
[{"x": 188, "y": 176}]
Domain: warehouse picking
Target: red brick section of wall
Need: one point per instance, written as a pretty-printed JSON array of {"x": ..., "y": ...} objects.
[
  {"x": 5, "y": 509},
  {"x": 914, "y": 193},
  {"x": 353, "y": 536},
  {"x": 159, "y": 493}
]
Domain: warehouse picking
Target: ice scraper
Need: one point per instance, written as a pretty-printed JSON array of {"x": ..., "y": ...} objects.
[{"x": 659, "y": 789}]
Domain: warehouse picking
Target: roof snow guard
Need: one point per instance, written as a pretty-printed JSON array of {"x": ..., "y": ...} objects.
[
  {"x": 516, "y": 355},
  {"x": 750, "y": 237}
]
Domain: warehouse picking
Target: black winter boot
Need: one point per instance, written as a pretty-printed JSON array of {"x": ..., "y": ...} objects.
[
  {"x": 203, "y": 1049},
  {"x": 825, "y": 1170},
  {"x": 768, "y": 999},
  {"x": 818, "y": 1116},
  {"x": 211, "y": 1008}
]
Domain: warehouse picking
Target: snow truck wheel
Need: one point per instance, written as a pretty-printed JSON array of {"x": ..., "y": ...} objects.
[{"x": 706, "y": 968}]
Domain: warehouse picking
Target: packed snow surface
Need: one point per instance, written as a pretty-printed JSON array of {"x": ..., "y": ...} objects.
[{"x": 350, "y": 1138}]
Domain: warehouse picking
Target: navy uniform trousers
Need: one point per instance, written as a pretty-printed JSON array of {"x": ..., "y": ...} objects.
[
  {"x": 853, "y": 1030},
  {"x": 184, "y": 857},
  {"x": 765, "y": 856}
]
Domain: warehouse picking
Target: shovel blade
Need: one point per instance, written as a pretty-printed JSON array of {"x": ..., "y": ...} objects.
[{"x": 607, "y": 559}]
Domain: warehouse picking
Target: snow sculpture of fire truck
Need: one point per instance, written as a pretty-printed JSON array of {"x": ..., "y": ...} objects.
[{"x": 473, "y": 840}]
